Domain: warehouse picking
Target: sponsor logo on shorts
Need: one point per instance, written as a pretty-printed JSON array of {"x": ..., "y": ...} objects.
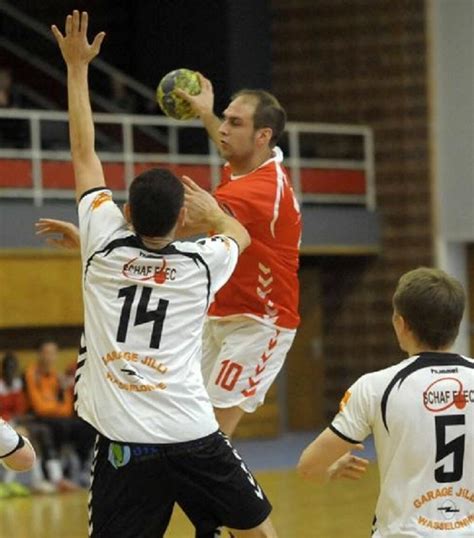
[{"x": 119, "y": 455}]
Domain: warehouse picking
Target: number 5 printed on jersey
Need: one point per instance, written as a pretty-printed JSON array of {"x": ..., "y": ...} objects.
[{"x": 454, "y": 447}]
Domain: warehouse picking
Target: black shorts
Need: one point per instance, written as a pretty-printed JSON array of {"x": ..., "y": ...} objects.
[{"x": 134, "y": 488}]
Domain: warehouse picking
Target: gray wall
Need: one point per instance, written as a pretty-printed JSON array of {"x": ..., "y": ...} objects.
[
  {"x": 453, "y": 115},
  {"x": 323, "y": 225},
  {"x": 452, "y": 129}
]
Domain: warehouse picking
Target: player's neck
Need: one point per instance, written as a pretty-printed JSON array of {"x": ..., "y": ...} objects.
[
  {"x": 241, "y": 168},
  {"x": 156, "y": 243},
  {"x": 416, "y": 349}
]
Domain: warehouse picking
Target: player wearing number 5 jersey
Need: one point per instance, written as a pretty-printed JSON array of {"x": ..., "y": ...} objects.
[
  {"x": 421, "y": 413},
  {"x": 139, "y": 380}
]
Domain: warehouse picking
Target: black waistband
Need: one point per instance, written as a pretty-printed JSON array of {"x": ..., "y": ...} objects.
[{"x": 164, "y": 448}]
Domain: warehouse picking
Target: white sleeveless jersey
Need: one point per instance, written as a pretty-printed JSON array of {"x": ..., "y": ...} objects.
[
  {"x": 9, "y": 439},
  {"x": 421, "y": 413},
  {"x": 139, "y": 370}
]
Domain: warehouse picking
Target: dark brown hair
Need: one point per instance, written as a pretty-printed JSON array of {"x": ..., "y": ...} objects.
[
  {"x": 432, "y": 304},
  {"x": 268, "y": 112},
  {"x": 156, "y": 198}
]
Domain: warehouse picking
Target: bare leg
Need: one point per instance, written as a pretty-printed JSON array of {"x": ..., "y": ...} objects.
[{"x": 228, "y": 418}]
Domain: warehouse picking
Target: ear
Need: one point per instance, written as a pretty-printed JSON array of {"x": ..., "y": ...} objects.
[
  {"x": 264, "y": 136},
  {"x": 398, "y": 322},
  {"x": 181, "y": 222},
  {"x": 126, "y": 212}
]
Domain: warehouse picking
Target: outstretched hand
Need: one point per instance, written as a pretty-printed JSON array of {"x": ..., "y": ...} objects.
[
  {"x": 200, "y": 205},
  {"x": 74, "y": 46},
  {"x": 203, "y": 102},
  {"x": 69, "y": 233},
  {"x": 349, "y": 466}
]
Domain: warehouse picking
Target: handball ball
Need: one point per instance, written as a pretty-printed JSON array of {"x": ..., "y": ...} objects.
[{"x": 171, "y": 104}]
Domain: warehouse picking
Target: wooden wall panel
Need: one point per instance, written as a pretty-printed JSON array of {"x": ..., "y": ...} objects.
[
  {"x": 305, "y": 363},
  {"x": 40, "y": 288}
]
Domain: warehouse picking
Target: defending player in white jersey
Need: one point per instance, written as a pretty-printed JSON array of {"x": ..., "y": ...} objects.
[
  {"x": 421, "y": 413},
  {"x": 16, "y": 452},
  {"x": 139, "y": 380}
]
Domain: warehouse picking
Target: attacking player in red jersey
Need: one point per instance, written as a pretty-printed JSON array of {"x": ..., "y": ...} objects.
[{"x": 253, "y": 320}]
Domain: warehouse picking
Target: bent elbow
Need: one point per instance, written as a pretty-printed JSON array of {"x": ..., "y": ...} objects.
[
  {"x": 310, "y": 472},
  {"x": 21, "y": 461},
  {"x": 304, "y": 470},
  {"x": 246, "y": 240}
]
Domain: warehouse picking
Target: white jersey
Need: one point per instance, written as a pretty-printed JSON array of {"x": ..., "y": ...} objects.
[
  {"x": 421, "y": 413},
  {"x": 10, "y": 441},
  {"x": 139, "y": 370}
]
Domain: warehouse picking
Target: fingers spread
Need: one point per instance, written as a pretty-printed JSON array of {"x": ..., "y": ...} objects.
[
  {"x": 75, "y": 22},
  {"x": 84, "y": 22},
  {"x": 68, "y": 24},
  {"x": 44, "y": 220},
  {"x": 57, "y": 34},
  {"x": 205, "y": 82},
  {"x": 55, "y": 242},
  {"x": 181, "y": 93},
  {"x": 351, "y": 475},
  {"x": 188, "y": 182},
  {"x": 361, "y": 461},
  {"x": 96, "y": 44}
]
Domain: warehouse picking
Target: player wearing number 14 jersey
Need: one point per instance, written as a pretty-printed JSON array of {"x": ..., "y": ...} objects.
[
  {"x": 421, "y": 413},
  {"x": 139, "y": 380}
]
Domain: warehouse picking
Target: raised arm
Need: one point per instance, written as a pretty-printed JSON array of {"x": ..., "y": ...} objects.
[
  {"x": 78, "y": 53},
  {"x": 203, "y": 106}
]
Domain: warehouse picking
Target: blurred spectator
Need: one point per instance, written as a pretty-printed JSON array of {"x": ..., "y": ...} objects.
[
  {"x": 12, "y": 397},
  {"x": 45, "y": 386},
  {"x": 13, "y": 406},
  {"x": 52, "y": 404},
  {"x": 13, "y": 133},
  {"x": 10, "y": 97}
]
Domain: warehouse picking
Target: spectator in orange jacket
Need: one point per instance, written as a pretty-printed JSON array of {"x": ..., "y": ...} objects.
[
  {"x": 52, "y": 403},
  {"x": 45, "y": 386}
]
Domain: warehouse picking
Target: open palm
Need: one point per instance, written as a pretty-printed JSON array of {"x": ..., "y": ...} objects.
[{"x": 75, "y": 48}]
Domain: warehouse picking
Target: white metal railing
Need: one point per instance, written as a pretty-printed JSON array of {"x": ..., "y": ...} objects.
[{"x": 129, "y": 156}]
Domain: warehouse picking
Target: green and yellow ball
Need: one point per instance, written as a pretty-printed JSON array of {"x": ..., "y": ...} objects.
[{"x": 170, "y": 103}]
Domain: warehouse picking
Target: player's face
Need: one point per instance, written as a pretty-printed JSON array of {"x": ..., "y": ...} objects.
[{"x": 237, "y": 135}]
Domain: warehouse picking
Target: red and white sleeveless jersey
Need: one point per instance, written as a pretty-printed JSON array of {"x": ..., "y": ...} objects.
[{"x": 265, "y": 284}]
